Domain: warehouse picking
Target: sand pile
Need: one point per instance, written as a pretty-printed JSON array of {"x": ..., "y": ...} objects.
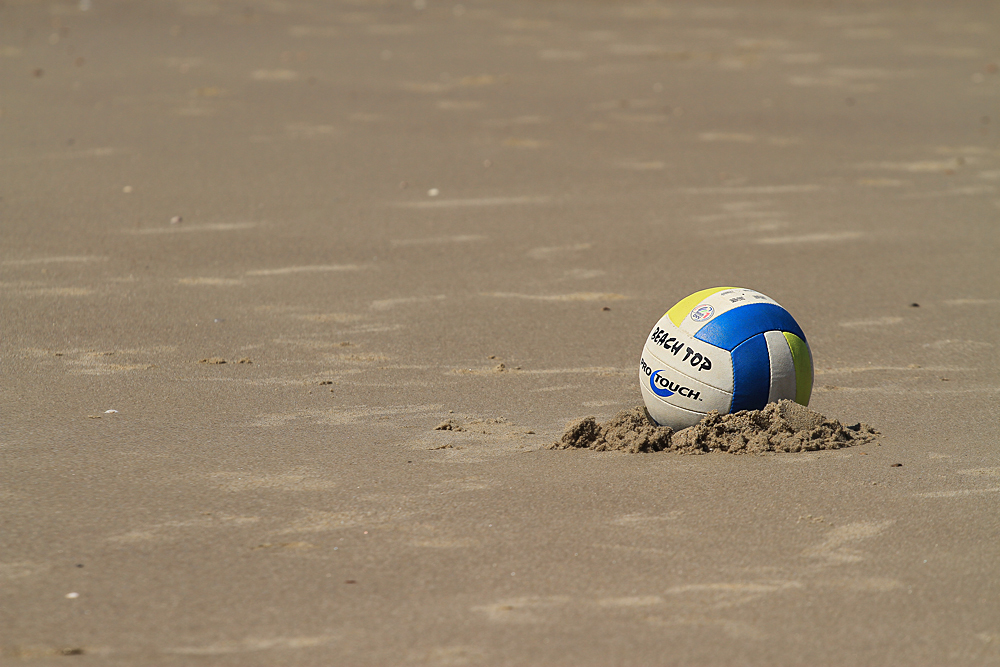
[
  {"x": 784, "y": 426},
  {"x": 629, "y": 431}
]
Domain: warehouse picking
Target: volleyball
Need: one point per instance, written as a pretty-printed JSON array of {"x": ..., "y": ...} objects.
[{"x": 725, "y": 349}]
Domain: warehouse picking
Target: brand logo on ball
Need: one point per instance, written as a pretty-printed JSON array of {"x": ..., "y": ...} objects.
[
  {"x": 663, "y": 387},
  {"x": 702, "y": 312},
  {"x": 670, "y": 343}
]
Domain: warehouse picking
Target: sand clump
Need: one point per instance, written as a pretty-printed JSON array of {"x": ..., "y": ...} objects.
[
  {"x": 784, "y": 426},
  {"x": 629, "y": 431},
  {"x": 449, "y": 425}
]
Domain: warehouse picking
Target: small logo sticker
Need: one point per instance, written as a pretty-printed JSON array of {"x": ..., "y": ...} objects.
[{"x": 702, "y": 313}]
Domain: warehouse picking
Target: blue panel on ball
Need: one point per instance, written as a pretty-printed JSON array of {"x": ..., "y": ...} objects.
[
  {"x": 751, "y": 374},
  {"x": 737, "y": 325}
]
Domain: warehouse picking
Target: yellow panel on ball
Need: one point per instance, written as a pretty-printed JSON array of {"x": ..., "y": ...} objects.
[{"x": 684, "y": 306}]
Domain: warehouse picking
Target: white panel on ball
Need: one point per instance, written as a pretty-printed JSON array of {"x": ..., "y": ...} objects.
[
  {"x": 782, "y": 367},
  {"x": 669, "y": 415},
  {"x": 670, "y": 386},
  {"x": 696, "y": 359}
]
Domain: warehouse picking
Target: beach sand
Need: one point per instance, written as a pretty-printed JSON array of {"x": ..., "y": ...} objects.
[{"x": 384, "y": 215}]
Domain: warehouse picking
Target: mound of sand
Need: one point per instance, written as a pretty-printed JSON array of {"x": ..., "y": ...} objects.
[
  {"x": 784, "y": 426},
  {"x": 629, "y": 431}
]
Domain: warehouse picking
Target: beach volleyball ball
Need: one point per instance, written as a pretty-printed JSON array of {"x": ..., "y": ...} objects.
[{"x": 725, "y": 349}]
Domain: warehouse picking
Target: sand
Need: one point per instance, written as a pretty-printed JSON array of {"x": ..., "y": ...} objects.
[
  {"x": 405, "y": 212},
  {"x": 784, "y": 426},
  {"x": 629, "y": 431}
]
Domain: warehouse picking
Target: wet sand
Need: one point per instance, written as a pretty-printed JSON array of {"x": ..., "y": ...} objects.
[{"x": 394, "y": 216}]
